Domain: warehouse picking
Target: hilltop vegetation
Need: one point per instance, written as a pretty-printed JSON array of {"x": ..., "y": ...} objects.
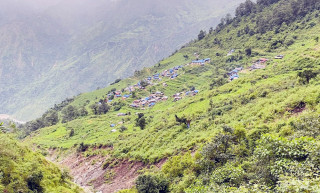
[{"x": 257, "y": 133}]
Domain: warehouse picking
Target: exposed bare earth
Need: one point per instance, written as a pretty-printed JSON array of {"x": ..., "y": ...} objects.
[{"x": 88, "y": 172}]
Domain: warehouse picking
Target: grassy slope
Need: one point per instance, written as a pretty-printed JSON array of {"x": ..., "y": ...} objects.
[
  {"x": 18, "y": 164},
  {"x": 168, "y": 137},
  {"x": 259, "y": 99}
]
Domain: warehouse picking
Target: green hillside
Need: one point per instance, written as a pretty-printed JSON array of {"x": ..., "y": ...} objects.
[
  {"x": 22, "y": 170},
  {"x": 74, "y": 47},
  {"x": 256, "y": 133}
]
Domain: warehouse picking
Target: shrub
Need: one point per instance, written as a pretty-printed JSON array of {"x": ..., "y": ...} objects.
[
  {"x": 83, "y": 147},
  {"x": 306, "y": 75},
  {"x": 152, "y": 184},
  {"x": 141, "y": 121},
  {"x": 308, "y": 125},
  {"x": 122, "y": 128},
  {"x": 71, "y": 132},
  {"x": 176, "y": 165},
  {"x": 34, "y": 181},
  {"x": 228, "y": 174}
]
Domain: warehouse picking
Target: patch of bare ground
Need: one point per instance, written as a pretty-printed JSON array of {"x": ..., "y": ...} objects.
[
  {"x": 88, "y": 172},
  {"x": 298, "y": 108}
]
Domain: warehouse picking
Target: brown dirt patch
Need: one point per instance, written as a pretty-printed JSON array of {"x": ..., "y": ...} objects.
[
  {"x": 88, "y": 172},
  {"x": 298, "y": 109}
]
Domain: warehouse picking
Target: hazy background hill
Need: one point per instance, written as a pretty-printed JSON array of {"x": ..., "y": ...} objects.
[{"x": 53, "y": 50}]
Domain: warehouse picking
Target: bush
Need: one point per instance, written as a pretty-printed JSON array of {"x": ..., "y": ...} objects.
[
  {"x": 306, "y": 75},
  {"x": 141, "y": 121},
  {"x": 152, "y": 184},
  {"x": 176, "y": 166},
  {"x": 308, "y": 125},
  {"x": 33, "y": 182},
  {"x": 123, "y": 128},
  {"x": 228, "y": 174},
  {"x": 83, "y": 147}
]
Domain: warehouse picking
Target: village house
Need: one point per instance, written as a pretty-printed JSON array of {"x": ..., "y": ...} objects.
[
  {"x": 234, "y": 73},
  {"x": 230, "y": 52},
  {"x": 259, "y": 64},
  {"x": 130, "y": 89},
  {"x": 177, "y": 99},
  {"x": 201, "y": 62},
  {"x": 262, "y": 60},
  {"x": 279, "y": 57}
]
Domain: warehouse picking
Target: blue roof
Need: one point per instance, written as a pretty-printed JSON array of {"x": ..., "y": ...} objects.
[
  {"x": 198, "y": 61},
  {"x": 196, "y": 91},
  {"x": 109, "y": 101},
  {"x": 112, "y": 125},
  {"x": 151, "y": 104},
  {"x": 147, "y": 98}
]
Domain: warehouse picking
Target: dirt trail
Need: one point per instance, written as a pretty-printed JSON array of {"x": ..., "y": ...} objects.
[{"x": 88, "y": 172}]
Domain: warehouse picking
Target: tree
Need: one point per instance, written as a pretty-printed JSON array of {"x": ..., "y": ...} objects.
[
  {"x": 306, "y": 75},
  {"x": 245, "y": 9},
  {"x": 71, "y": 133},
  {"x": 103, "y": 108},
  {"x": 201, "y": 35},
  {"x": 248, "y": 51},
  {"x": 228, "y": 19},
  {"x": 211, "y": 30},
  {"x": 51, "y": 118},
  {"x": 34, "y": 182},
  {"x": 94, "y": 108},
  {"x": 69, "y": 113},
  {"x": 83, "y": 111},
  {"x": 141, "y": 121}
]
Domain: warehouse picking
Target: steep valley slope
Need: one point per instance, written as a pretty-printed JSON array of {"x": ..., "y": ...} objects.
[{"x": 243, "y": 119}]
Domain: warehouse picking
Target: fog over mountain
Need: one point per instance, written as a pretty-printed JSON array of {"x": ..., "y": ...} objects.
[{"x": 50, "y": 50}]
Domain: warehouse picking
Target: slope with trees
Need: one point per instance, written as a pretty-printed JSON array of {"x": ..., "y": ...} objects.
[{"x": 258, "y": 133}]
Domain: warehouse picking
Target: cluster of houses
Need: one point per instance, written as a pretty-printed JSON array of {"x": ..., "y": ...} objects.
[
  {"x": 234, "y": 73},
  {"x": 172, "y": 72},
  {"x": 149, "y": 101},
  {"x": 180, "y": 95},
  {"x": 117, "y": 94}
]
